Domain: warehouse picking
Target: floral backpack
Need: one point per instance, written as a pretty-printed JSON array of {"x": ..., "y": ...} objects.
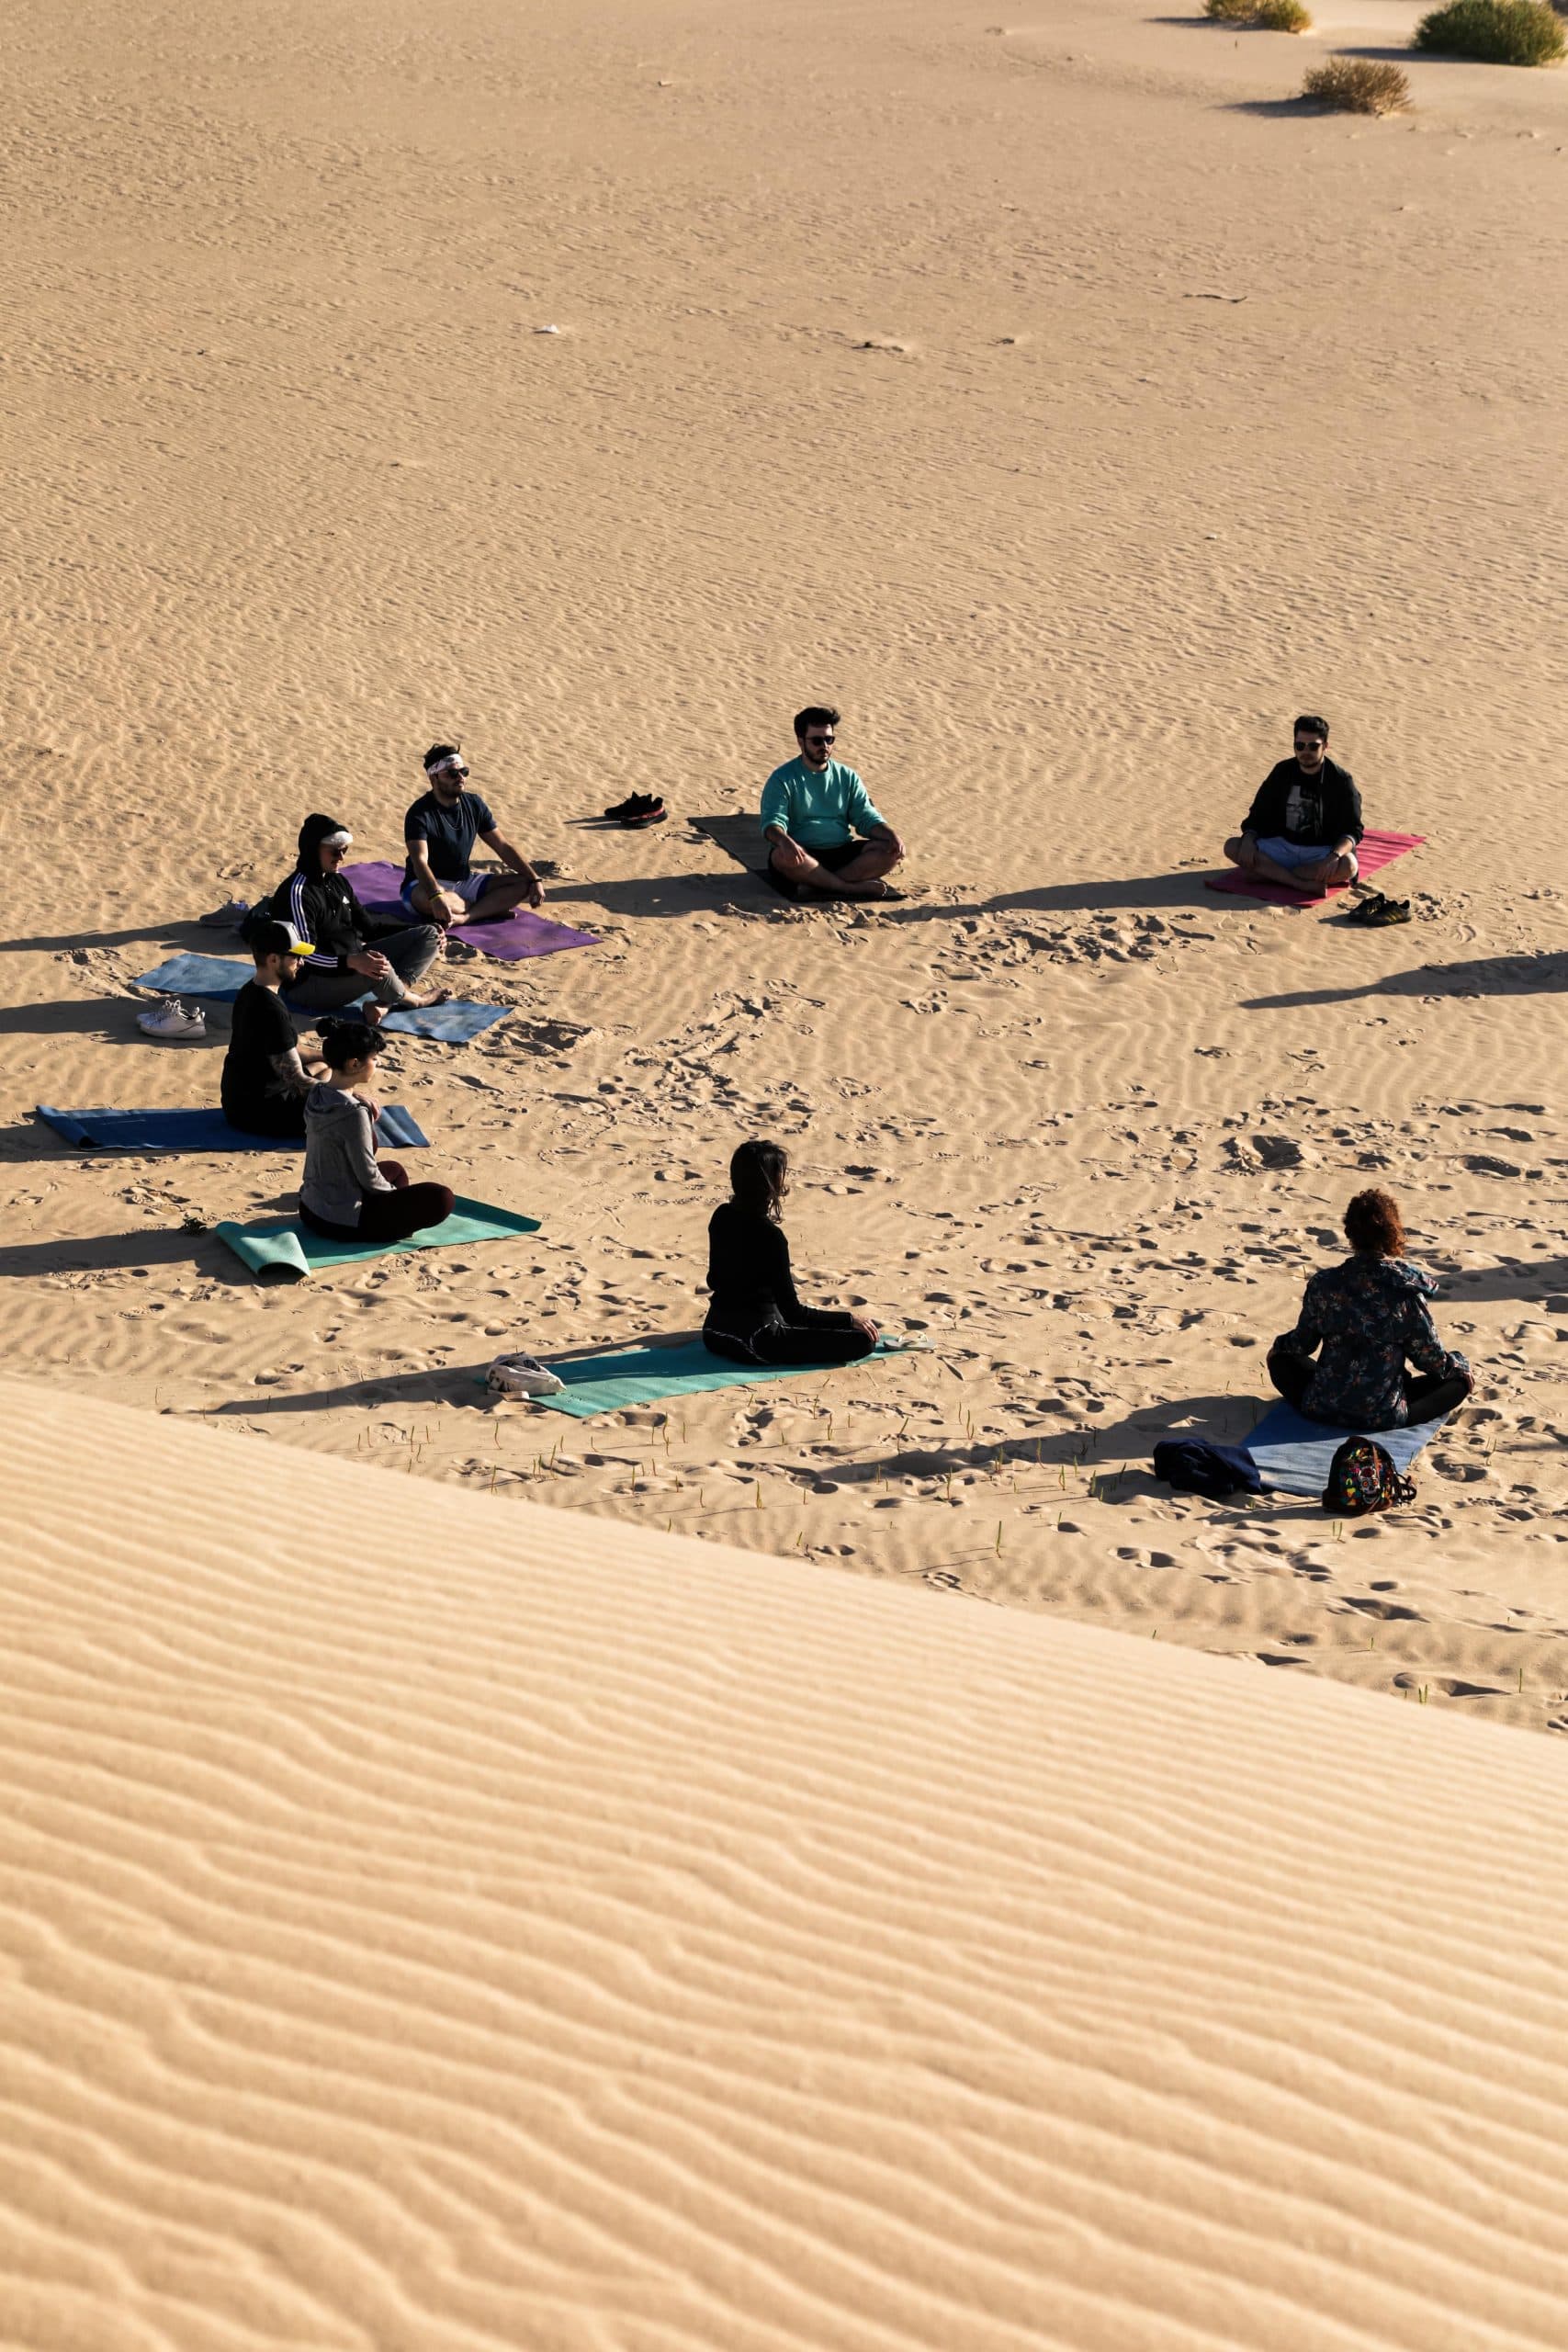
[{"x": 1362, "y": 1478}]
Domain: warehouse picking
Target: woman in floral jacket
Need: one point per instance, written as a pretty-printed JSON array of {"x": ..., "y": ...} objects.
[{"x": 1370, "y": 1318}]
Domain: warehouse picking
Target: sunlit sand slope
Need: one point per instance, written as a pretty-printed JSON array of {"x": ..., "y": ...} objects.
[{"x": 431, "y": 1925}]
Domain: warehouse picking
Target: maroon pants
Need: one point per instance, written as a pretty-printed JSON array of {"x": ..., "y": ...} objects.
[{"x": 389, "y": 1216}]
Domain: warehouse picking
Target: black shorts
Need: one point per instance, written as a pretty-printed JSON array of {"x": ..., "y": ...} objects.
[{"x": 836, "y": 858}]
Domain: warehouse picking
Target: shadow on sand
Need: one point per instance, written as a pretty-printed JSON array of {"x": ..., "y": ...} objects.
[{"x": 1542, "y": 972}]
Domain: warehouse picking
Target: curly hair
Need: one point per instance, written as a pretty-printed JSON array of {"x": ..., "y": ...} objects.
[{"x": 1372, "y": 1222}]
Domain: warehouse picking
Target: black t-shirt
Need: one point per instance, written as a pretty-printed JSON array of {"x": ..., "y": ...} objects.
[
  {"x": 1305, "y": 808},
  {"x": 450, "y": 832},
  {"x": 263, "y": 1027}
]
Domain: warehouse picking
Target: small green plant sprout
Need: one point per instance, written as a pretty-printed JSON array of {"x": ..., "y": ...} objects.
[
  {"x": 1358, "y": 86},
  {"x": 1495, "y": 32}
]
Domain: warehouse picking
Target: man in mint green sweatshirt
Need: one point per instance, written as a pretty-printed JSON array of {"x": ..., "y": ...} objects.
[{"x": 825, "y": 839}]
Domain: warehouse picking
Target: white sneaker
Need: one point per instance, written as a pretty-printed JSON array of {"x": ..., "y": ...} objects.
[
  {"x": 523, "y": 1376},
  {"x": 173, "y": 1023}
]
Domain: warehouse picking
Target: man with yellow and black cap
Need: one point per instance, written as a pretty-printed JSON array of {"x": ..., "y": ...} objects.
[{"x": 266, "y": 1079}]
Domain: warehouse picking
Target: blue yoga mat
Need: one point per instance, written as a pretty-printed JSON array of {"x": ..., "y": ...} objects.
[
  {"x": 202, "y": 1130},
  {"x": 1293, "y": 1454},
  {"x": 641, "y": 1375},
  {"x": 453, "y": 1022},
  {"x": 219, "y": 979}
]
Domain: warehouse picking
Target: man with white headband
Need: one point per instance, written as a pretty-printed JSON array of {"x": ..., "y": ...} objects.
[
  {"x": 352, "y": 953},
  {"x": 439, "y": 833}
]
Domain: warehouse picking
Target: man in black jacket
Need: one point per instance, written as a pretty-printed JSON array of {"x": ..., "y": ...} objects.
[
  {"x": 351, "y": 952},
  {"x": 1305, "y": 818}
]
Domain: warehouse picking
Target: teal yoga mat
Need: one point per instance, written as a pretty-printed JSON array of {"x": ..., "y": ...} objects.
[
  {"x": 282, "y": 1245},
  {"x": 623, "y": 1376}
]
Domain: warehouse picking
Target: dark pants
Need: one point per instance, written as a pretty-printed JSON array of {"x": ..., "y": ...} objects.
[
  {"x": 388, "y": 1216},
  {"x": 281, "y": 1115},
  {"x": 411, "y": 954},
  {"x": 1426, "y": 1396},
  {"x": 841, "y": 1340}
]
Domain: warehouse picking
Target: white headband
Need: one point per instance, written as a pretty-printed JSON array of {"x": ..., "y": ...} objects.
[
  {"x": 340, "y": 840},
  {"x": 448, "y": 760}
]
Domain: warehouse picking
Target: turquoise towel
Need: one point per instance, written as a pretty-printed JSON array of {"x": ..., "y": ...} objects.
[
  {"x": 623, "y": 1376},
  {"x": 219, "y": 979},
  {"x": 284, "y": 1245}
]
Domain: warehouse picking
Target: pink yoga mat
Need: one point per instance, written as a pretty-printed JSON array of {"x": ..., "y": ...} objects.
[
  {"x": 1377, "y": 850},
  {"x": 379, "y": 885}
]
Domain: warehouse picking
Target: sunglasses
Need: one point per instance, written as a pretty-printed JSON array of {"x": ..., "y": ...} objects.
[
  {"x": 821, "y": 739},
  {"x": 1309, "y": 742}
]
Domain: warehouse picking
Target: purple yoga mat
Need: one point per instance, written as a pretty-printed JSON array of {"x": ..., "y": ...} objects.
[{"x": 379, "y": 887}]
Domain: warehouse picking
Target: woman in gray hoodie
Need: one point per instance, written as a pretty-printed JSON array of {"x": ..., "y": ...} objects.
[{"x": 347, "y": 1193}]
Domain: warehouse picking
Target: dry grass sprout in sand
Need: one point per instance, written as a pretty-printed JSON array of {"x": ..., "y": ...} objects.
[
  {"x": 1358, "y": 86},
  {"x": 1261, "y": 15},
  {"x": 1496, "y": 32}
]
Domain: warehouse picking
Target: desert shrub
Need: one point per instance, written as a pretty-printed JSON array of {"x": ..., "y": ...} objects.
[
  {"x": 1358, "y": 86},
  {"x": 1266, "y": 15},
  {"x": 1498, "y": 32}
]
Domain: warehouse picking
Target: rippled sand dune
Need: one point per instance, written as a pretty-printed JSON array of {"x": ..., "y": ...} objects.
[{"x": 434, "y": 1927}]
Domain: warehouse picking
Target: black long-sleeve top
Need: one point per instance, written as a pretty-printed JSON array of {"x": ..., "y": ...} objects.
[{"x": 749, "y": 1274}]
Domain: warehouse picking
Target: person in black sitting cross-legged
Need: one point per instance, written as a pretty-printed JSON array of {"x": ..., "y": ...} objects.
[
  {"x": 1305, "y": 818},
  {"x": 264, "y": 1079},
  {"x": 755, "y": 1315}
]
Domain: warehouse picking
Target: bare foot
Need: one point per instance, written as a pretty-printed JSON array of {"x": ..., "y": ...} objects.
[
  {"x": 373, "y": 1015},
  {"x": 430, "y": 996}
]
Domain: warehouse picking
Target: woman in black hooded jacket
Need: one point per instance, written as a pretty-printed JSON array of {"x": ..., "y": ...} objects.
[
  {"x": 755, "y": 1315},
  {"x": 352, "y": 953}
]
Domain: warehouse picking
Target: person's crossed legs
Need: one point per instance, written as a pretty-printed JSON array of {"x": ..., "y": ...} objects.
[
  {"x": 1427, "y": 1396},
  {"x": 481, "y": 898},
  {"x": 1300, "y": 865},
  {"x": 854, "y": 869},
  {"x": 395, "y": 1215},
  {"x": 410, "y": 955}
]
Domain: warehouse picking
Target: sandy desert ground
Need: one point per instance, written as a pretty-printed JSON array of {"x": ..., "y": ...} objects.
[
  {"x": 1072, "y": 408},
  {"x": 570, "y": 1936}
]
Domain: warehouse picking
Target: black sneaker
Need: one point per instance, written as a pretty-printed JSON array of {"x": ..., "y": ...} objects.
[{"x": 637, "y": 807}]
